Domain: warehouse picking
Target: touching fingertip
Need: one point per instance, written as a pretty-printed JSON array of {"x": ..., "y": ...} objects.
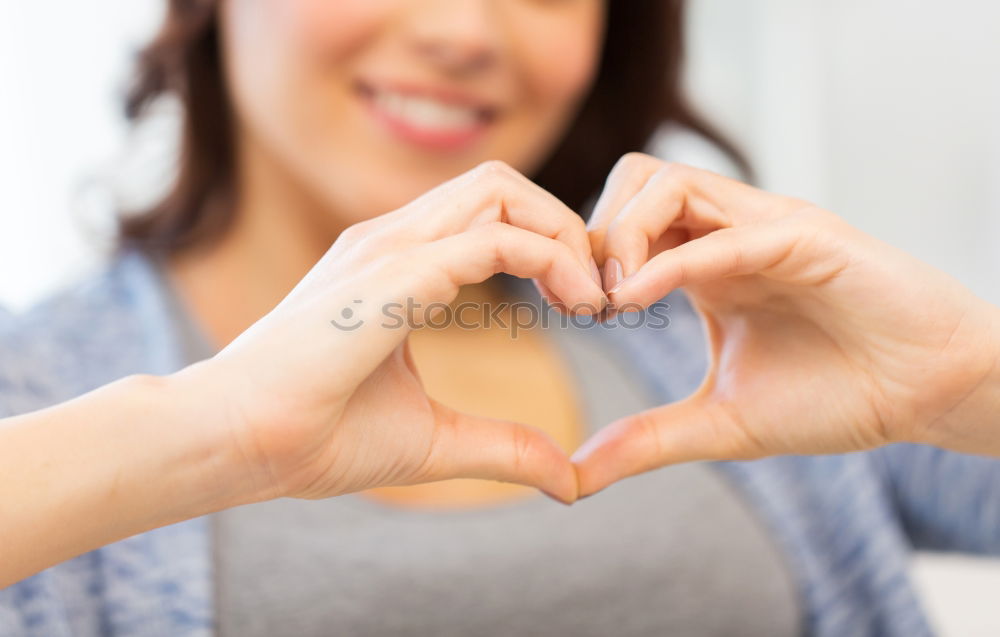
[
  {"x": 595, "y": 273},
  {"x": 613, "y": 273},
  {"x": 590, "y": 485},
  {"x": 618, "y": 287},
  {"x": 592, "y": 493},
  {"x": 556, "y": 498}
]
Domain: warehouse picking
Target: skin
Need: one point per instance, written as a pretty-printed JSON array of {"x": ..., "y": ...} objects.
[
  {"x": 823, "y": 340},
  {"x": 802, "y": 308},
  {"x": 312, "y": 161},
  {"x": 294, "y": 407}
]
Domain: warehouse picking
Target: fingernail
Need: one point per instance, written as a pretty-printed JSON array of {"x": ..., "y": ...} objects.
[
  {"x": 613, "y": 273},
  {"x": 620, "y": 285},
  {"x": 595, "y": 273}
]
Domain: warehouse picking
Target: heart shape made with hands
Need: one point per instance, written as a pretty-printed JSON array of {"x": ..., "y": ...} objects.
[
  {"x": 804, "y": 314},
  {"x": 656, "y": 227},
  {"x": 644, "y": 212},
  {"x": 594, "y": 463},
  {"x": 777, "y": 282}
]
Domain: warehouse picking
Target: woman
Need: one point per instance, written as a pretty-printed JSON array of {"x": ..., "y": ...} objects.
[{"x": 310, "y": 121}]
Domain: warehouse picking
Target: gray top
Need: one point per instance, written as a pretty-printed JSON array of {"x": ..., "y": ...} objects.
[
  {"x": 846, "y": 524},
  {"x": 672, "y": 552}
]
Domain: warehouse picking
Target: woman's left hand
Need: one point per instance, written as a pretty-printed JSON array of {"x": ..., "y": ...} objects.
[{"x": 823, "y": 339}]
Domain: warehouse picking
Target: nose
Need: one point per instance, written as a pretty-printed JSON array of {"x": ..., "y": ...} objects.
[{"x": 459, "y": 37}]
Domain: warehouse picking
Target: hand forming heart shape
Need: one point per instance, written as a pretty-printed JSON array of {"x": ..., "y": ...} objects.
[{"x": 815, "y": 347}]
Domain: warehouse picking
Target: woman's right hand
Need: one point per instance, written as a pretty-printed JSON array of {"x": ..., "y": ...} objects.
[{"x": 322, "y": 396}]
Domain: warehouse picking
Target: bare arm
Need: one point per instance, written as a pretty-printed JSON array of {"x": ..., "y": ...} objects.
[
  {"x": 131, "y": 456},
  {"x": 297, "y": 405}
]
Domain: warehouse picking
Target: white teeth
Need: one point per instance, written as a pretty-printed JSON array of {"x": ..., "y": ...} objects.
[{"x": 423, "y": 112}]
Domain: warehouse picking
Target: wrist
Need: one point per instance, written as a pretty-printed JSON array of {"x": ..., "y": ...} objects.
[
  {"x": 232, "y": 472},
  {"x": 137, "y": 454},
  {"x": 168, "y": 443},
  {"x": 972, "y": 423}
]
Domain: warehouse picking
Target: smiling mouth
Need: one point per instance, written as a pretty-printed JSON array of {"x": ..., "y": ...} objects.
[{"x": 425, "y": 119}]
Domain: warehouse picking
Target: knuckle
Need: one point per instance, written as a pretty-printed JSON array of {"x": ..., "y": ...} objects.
[
  {"x": 574, "y": 228},
  {"x": 647, "y": 431},
  {"x": 490, "y": 178},
  {"x": 354, "y": 233},
  {"x": 496, "y": 247},
  {"x": 820, "y": 216},
  {"x": 636, "y": 159},
  {"x": 493, "y": 169},
  {"x": 577, "y": 223},
  {"x": 522, "y": 449},
  {"x": 672, "y": 179},
  {"x": 564, "y": 251},
  {"x": 377, "y": 241},
  {"x": 389, "y": 267},
  {"x": 489, "y": 240},
  {"x": 818, "y": 225},
  {"x": 561, "y": 256},
  {"x": 496, "y": 228},
  {"x": 633, "y": 162},
  {"x": 623, "y": 231},
  {"x": 671, "y": 171},
  {"x": 364, "y": 229},
  {"x": 493, "y": 234}
]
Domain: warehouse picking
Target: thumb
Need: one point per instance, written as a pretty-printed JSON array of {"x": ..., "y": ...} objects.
[
  {"x": 693, "y": 429},
  {"x": 467, "y": 446}
]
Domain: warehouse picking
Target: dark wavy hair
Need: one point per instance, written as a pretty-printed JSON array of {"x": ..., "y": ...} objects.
[{"x": 638, "y": 87}]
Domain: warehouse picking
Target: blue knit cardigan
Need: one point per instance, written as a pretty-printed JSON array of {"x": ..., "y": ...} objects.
[{"x": 846, "y": 523}]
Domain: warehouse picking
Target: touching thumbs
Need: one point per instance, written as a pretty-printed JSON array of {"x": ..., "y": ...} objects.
[
  {"x": 467, "y": 446},
  {"x": 692, "y": 429}
]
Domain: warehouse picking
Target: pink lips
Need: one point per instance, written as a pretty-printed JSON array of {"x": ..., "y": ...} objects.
[{"x": 422, "y": 135}]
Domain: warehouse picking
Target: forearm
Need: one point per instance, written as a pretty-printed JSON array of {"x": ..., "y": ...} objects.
[{"x": 134, "y": 455}]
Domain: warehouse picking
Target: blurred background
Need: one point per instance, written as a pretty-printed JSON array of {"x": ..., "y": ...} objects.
[{"x": 885, "y": 111}]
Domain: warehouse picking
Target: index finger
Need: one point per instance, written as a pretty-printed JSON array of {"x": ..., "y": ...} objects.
[
  {"x": 646, "y": 197},
  {"x": 492, "y": 192}
]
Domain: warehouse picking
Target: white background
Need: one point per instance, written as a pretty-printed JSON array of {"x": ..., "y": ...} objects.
[{"x": 882, "y": 110}]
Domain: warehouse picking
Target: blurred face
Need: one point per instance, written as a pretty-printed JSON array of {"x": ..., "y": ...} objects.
[{"x": 366, "y": 104}]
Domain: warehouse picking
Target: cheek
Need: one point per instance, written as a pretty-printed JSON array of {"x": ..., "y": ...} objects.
[
  {"x": 558, "y": 59},
  {"x": 331, "y": 29},
  {"x": 555, "y": 62},
  {"x": 291, "y": 30},
  {"x": 284, "y": 60}
]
